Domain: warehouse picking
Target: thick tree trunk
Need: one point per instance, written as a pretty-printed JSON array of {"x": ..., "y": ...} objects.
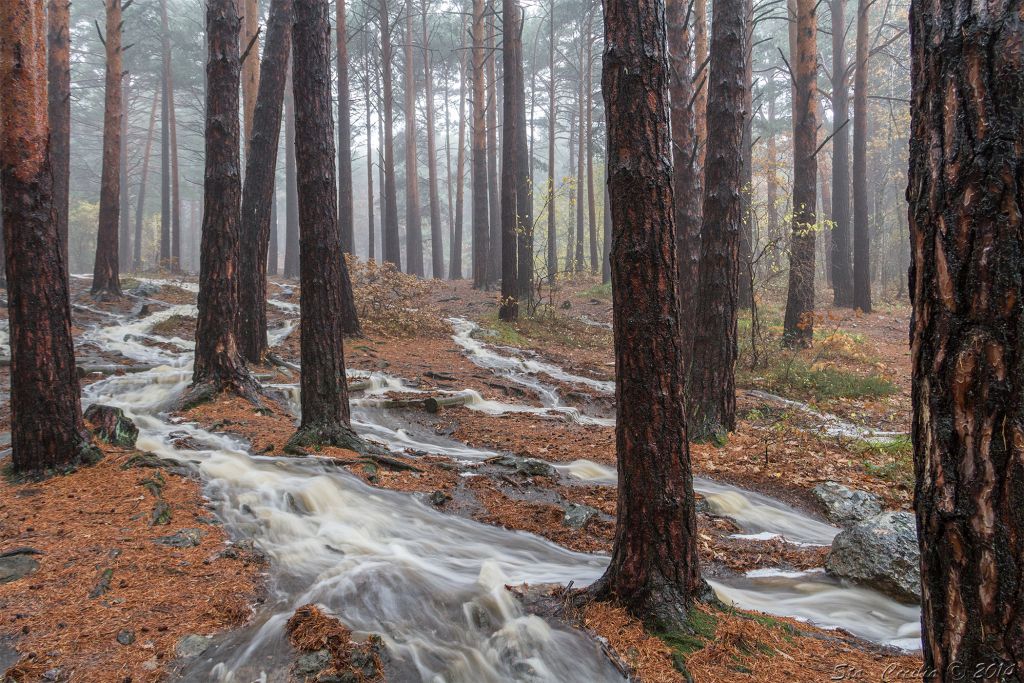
[
  {"x": 370, "y": 227},
  {"x": 171, "y": 147},
  {"x": 686, "y": 177},
  {"x": 124, "y": 232},
  {"x": 413, "y": 219},
  {"x": 861, "y": 230},
  {"x": 606, "y": 258},
  {"x": 745, "y": 297},
  {"x": 436, "y": 239},
  {"x": 389, "y": 219},
  {"x": 345, "y": 218},
  {"x": 258, "y": 189},
  {"x": 523, "y": 175},
  {"x": 455, "y": 257},
  {"x": 140, "y": 205},
  {"x": 711, "y": 383},
  {"x": 47, "y": 433},
  {"x": 291, "y": 229},
  {"x": 513, "y": 159},
  {"x": 799, "y": 322},
  {"x": 552, "y": 140},
  {"x": 325, "y": 409},
  {"x": 249, "y": 11},
  {"x": 654, "y": 569},
  {"x": 591, "y": 201},
  {"x": 842, "y": 267},
  {"x": 700, "y": 101},
  {"x": 105, "y": 274},
  {"x": 494, "y": 241},
  {"x": 967, "y": 339},
  {"x": 218, "y": 365},
  {"x": 58, "y": 16},
  {"x": 481, "y": 217}
]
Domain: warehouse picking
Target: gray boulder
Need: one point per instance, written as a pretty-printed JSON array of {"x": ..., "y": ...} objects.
[
  {"x": 578, "y": 516},
  {"x": 192, "y": 646},
  {"x": 844, "y": 505},
  {"x": 880, "y": 552}
]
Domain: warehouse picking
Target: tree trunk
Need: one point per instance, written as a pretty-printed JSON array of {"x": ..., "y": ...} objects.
[
  {"x": 861, "y": 231},
  {"x": 370, "y": 228},
  {"x": 654, "y": 569},
  {"x": 325, "y": 409},
  {"x": 124, "y": 236},
  {"x": 842, "y": 268},
  {"x": 291, "y": 230},
  {"x": 413, "y": 220},
  {"x": 436, "y": 239},
  {"x": 700, "y": 101},
  {"x": 171, "y": 147},
  {"x": 595, "y": 263},
  {"x": 552, "y": 140},
  {"x": 250, "y": 18},
  {"x": 606, "y": 259},
  {"x": 47, "y": 432},
  {"x": 686, "y": 177},
  {"x": 581, "y": 154},
  {"x": 258, "y": 189},
  {"x": 218, "y": 365},
  {"x": 389, "y": 221},
  {"x": 164, "y": 260},
  {"x": 455, "y": 257},
  {"x": 140, "y": 205},
  {"x": 745, "y": 290},
  {"x": 711, "y": 383},
  {"x": 481, "y": 227},
  {"x": 511, "y": 52},
  {"x": 105, "y": 274},
  {"x": 570, "y": 244},
  {"x": 523, "y": 175},
  {"x": 345, "y": 218},
  {"x": 967, "y": 336},
  {"x": 799, "y": 322},
  {"x": 772, "y": 185},
  {"x": 58, "y": 16},
  {"x": 494, "y": 242},
  {"x": 272, "y": 256}
]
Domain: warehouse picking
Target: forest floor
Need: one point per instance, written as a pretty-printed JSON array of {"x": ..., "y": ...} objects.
[{"x": 95, "y": 528}]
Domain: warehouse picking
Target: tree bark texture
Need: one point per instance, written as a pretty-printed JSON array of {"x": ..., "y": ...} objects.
[
  {"x": 436, "y": 238},
  {"x": 494, "y": 244},
  {"x": 861, "y": 229},
  {"x": 512, "y": 55},
  {"x": 105, "y": 274},
  {"x": 481, "y": 216},
  {"x": 413, "y": 219},
  {"x": 842, "y": 267},
  {"x": 345, "y": 218},
  {"x": 389, "y": 221},
  {"x": 291, "y": 229},
  {"x": 58, "y": 17}
]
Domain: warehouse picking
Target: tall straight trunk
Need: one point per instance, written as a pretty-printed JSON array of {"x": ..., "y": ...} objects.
[
  {"x": 552, "y": 140},
  {"x": 746, "y": 285},
  {"x": 272, "y": 255},
  {"x": 653, "y": 570},
  {"x": 523, "y": 176},
  {"x": 967, "y": 338},
  {"x": 140, "y": 204},
  {"x": 47, "y": 432},
  {"x": 436, "y": 239},
  {"x": 581, "y": 160},
  {"x": 449, "y": 187},
  {"x": 124, "y": 232},
  {"x": 591, "y": 202},
  {"x": 455, "y": 256},
  {"x": 58, "y": 39},
  {"x": 291, "y": 230},
  {"x": 772, "y": 183},
  {"x": 380, "y": 160},
  {"x": 481, "y": 217},
  {"x": 686, "y": 177},
  {"x": 164, "y": 260},
  {"x": 413, "y": 220},
  {"x": 799, "y": 322},
  {"x": 570, "y": 244},
  {"x": 325, "y": 409},
  {"x": 218, "y": 365},
  {"x": 345, "y": 218},
  {"x": 389, "y": 220},
  {"x": 370, "y": 227},
  {"x": 861, "y": 231},
  {"x": 173, "y": 200},
  {"x": 105, "y": 274},
  {"x": 842, "y": 267},
  {"x": 711, "y": 383},
  {"x": 700, "y": 101},
  {"x": 250, "y": 17},
  {"x": 494, "y": 243},
  {"x": 258, "y": 188},
  {"x": 606, "y": 257},
  {"x": 511, "y": 52}
]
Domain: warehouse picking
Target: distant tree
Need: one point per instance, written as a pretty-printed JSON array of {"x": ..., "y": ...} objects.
[
  {"x": 842, "y": 268},
  {"x": 291, "y": 218},
  {"x": 325, "y": 409},
  {"x": 124, "y": 230},
  {"x": 249, "y": 46},
  {"x": 436, "y": 239},
  {"x": 47, "y": 432},
  {"x": 105, "y": 278},
  {"x": 218, "y": 365},
  {"x": 345, "y": 217},
  {"x": 523, "y": 175},
  {"x": 479, "y": 158},
  {"x": 455, "y": 256},
  {"x": 171, "y": 199},
  {"x": 389, "y": 211},
  {"x": 700, "y": 101},
  {"x": 512, "y": 55},
  {"x": 494, "y": 244},
  {"x": 552, "y": 255},
  {"x": 58, "y": 17},
  {"x": 140, "y": 203},
  {"x": 413, "y": 220},
  {"x": 370, "y": 227},
  {"x": 654, "y": 569},
  {"x": 861, "y": 233},
  {"x": 799, "y": 324},
  {"x": 967, "y": 333}
]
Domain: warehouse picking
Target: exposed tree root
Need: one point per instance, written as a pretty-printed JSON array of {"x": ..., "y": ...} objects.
[{"x": 330, "y": 434}]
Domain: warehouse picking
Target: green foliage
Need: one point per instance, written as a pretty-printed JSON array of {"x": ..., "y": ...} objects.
[
  {"x": 603, "y": 291},
  {"x": 795, "y": 377},
  {"x": 896, "y": 457}
]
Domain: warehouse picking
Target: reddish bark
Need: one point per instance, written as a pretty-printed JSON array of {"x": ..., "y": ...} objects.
[
  {"x": 105, "y": 280},
  {"x": 389, "y": 219},
  {"x": 140, "y": 205},
  {"x": 58, "y": 17},
  {"x": 481, "y": 214},
  {"x": 512, "y": 54}
]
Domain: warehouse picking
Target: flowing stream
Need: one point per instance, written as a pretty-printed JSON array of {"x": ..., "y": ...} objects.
[{"x": 431, "y": 584}]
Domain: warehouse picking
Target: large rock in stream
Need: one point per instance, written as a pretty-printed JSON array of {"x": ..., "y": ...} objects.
[
  {"x": 880, "y": 552},
  {"x": 844, "y": 505},
  {"x": 112, "y": 425}
]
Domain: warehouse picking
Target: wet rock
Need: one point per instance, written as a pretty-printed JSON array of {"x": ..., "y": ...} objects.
[
  {"x": 17, "y": 563},
  {"x": 192, "y": 646},
  {"x": 844, "y": 505},
  {"x": 579, "y": 516},
  {"x": 186, "y": 538},
  {"x": 103, "y": 585},
  {"x": 145, "y": 289},
  {"x": 111, "y": 425},
  {"x": 880, "y": 552},
  {"x": 287, "y": 293},
  {"x": 439, "y": 498},
  {"x": 146, "y": 460},
  {"x": 161, "y": 514},
  {"x": 126, "y": 637},
  {"x": 530, "y": 467},
  {"x": 312, "y": 663}
]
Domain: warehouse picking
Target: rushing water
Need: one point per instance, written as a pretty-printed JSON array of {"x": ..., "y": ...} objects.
[{"x": 431, "y": 584}]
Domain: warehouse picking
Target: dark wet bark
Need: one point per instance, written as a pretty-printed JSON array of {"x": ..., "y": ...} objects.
[
  {"x": 272, "y": 256},
  {"x": 345, "y": 218},
  {"x": 746, "y": 286},
  {"x": 124, "y": 231},
  {"x": 966, "y": 198},
  {"x": 165, "y": 174},
  {"x": 842, "y": 267},
  {"x": 436, "y": 239},
  {"x": 591, "y": 202},
  {"x": 140, "y": 205},
  {"x": 105, "y": 274},
  {"x": 370, "y": 227},
  {"x": 172, "y": 202},
  {"x": 654, "y": 568},
  {"x": 523, "y": 174},
  {"x": 389, "y": 210},
  {"x": 291, "y": 228},
  {"x": 799, "y": 322},
  {"x": 481, "y": 216},
  {"x": 218, "y": 364},
  {"x": 494, "y": 241},
  {"x": 47, "y": 432},
  {"x": 861, "y": 230},
  {"x": 325, "y": 409},
  {"x": 58, "y": 16},
  {"x": 413, "y": 220},
  {"x": 258, "y": 190},
  {"x": 711, "y": 383},
  {"x": 512, "y": 54}
]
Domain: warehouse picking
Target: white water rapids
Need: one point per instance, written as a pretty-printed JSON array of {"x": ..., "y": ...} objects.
[{"x": 431, "y": 584}]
